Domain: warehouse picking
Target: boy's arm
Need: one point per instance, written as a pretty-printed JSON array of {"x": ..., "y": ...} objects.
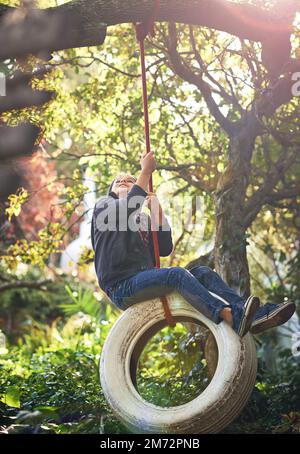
[
  {"x": 115, "y": 210},
  {"x": 164, "y": 236}
]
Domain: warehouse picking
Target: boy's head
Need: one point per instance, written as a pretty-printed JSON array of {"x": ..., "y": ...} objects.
[{"x": 122, "y": 184}]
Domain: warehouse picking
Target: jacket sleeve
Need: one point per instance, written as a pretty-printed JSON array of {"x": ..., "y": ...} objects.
[
  {"x": 115, "y": 213},
  {"x": 164, "y": 236}
]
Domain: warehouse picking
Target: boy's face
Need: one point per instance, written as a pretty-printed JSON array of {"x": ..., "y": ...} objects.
[{"x": 122, "y": 184}]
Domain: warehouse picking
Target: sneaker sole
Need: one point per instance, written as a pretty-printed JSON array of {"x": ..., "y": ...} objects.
[
  {"x": 279, "y": 317},
  {"x": 250, "y": 311}
]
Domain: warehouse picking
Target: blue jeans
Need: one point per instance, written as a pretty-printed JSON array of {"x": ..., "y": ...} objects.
[{"x": 193, "y": 285}]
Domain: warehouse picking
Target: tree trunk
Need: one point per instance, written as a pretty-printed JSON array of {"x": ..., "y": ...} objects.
[
  {"x": 230, "y": 197},
  {"x": 86, "y": 26}
]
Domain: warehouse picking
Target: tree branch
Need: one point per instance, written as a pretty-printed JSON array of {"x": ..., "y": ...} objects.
[
  {"x": 18, "y": 140},
  {"x": 231, "y": 99},
  {"x": 19, "y": 94},
  {"x": 266, "y": 194},
  {"x": 287, "y": 193},
  {"x": 87, "y": 22},
  {"x": 186, "y": 74},
  {"x": 24, "y": 284},
  {"x": 204, "y": 260}
]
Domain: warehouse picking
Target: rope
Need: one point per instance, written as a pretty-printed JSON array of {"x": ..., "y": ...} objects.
[{"x": 142, "y": 31}]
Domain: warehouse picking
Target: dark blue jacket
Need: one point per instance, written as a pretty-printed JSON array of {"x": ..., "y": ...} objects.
[{"x": 122, "y": 254}]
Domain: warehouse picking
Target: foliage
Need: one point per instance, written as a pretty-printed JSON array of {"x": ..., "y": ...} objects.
[
  {"x": 49, "y": 239},
  {"x": 23, "y": 309},
  {"x": 173, "y": 366},
  {"x": 82, "y": 301},
  {"x": 15, "y": 202},
  {"x": 54, "y": 374},
  {"x": 49, "y": 378},
  {"x": 50, "y": 381},
  {"x": 38, "y": 204},
  {"x": 275, "y": 402},
  {"x": 96, "y": 120}
]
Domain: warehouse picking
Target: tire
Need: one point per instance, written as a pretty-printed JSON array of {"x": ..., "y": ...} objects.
[{"x": 233, "y": 370}]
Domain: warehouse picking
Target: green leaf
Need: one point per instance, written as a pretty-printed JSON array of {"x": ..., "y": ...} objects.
[
  {"x": 48, "y": 411},
  {"x": 11, "y": 397}
]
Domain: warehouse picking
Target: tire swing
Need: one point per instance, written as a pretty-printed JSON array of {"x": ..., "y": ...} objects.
[{"x": 231, "y": 360}]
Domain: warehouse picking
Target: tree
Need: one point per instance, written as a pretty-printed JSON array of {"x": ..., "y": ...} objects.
[
  {"x": 243, "y": 189},
  {"x": 262, "y": 29},
  {"x": 42, "y": 204}
]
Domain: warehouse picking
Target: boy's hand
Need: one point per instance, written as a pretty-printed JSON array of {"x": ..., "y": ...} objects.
[
  {"x": 148, "y": 163},
  {"x": 151, "y": 200},
  {"x": 152, "y": 203}
]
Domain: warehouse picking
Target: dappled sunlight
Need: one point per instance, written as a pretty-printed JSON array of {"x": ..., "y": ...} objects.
[{"x": 87, "y": 344}]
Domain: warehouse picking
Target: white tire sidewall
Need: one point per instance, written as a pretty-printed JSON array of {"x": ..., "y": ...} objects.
[{"x": 212, "y": 410}]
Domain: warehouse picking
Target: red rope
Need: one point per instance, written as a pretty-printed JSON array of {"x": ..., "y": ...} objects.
[{"x": 142, "y": 31}]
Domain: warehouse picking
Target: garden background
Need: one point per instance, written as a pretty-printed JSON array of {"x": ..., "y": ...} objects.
[{"x": 226, "y": 132}]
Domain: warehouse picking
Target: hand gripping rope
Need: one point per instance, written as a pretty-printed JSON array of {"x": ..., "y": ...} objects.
[{"x": 142, "y": 31}]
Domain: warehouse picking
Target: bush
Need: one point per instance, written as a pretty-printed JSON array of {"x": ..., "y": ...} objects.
[
  {"x": 54, "y": 385},
  {"x": 50, "y": 381}
]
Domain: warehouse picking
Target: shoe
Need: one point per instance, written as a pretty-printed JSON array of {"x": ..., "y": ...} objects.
[
  {"x": 243, "y": 315},
  {"x": 271, "y": 315}
]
